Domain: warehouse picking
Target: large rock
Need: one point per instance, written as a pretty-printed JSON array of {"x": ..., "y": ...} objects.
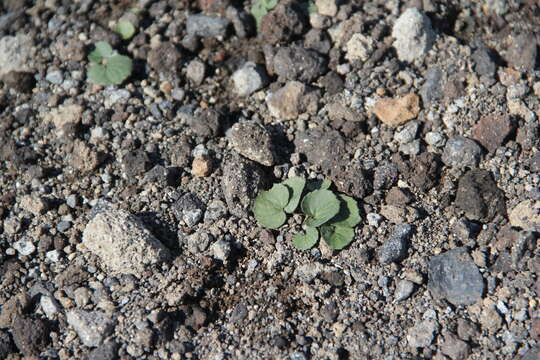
[
  {"x": 92, "y": 327},
  {"x": 123, "y": 243},
  {"x": 292, "y": 100},
  {"x": 30, "y": 335},
  {"x": 252, "y": 141},
  {"x": 414, "y": 35},
  {"x": 206, "y": 26},
  {"x": 491, "y": 131},
  {"x": 455, "y": 277},
  {"x": 16, "y": 54}
]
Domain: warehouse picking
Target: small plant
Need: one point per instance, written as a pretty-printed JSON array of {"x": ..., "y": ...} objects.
[
  {"x": 330, "y": 215},
  {"x": 261, "y": 8},
  {"x": 108, "y": 67},
  {"x": 125, "y": 28}
]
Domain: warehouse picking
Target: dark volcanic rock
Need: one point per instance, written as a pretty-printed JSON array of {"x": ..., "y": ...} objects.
[
  {"x": 425, "y": 171},
  {"x": 30, "y": 335},
  {"x": 6, "y": 344},
  {"x": 207, "y": 123},
  {"x": 523, "y": 55},
  {"x": 107, "y": 351},
  {"x": 189, "y": 208},
  {"x": 484, "y": 63},
  {"x": 454, "y": 276},
  {"x": 349, "y": 178},
  {"x": 296, "y": 63},
  {"x": 22, "y": 82},
  {"x": 252, "y": 141},
  {"x": 135, "y": 163},
  {"x": 165, "y": 59},
  {"x": 491, "y": 131},
  {"x": 395, "y": 248},
  {"x": 385, "y": 176},
  {"x": 321, "y": 148},
  {"x": 461, "y": 152},
  {"x": 479, "y": 197},
  {"x": 242, "y": 180},
  {"x": 283, "y": 23}
]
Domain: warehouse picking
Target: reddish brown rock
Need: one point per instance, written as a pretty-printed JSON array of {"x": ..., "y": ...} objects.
[
  {"x": 395, "y": 112},
  {"x": 491, "y": 131}
]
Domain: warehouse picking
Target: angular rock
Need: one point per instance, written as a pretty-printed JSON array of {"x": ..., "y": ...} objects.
[
  {"x": 91, "y": 326},
  {"x": 432, "y": 90},
  {"x": 479, "y": 197},
  {"x": 84, "y": 158},
  {"x": 207, "y": 123},
  {"x": 395, "y": 248},
  {"x": 189, "y": 209},
  {"x": 297, "y": 63},
  {"x": 15, "y": 306},
  {"x": 248, "y": 79},
  {"x": 523, "y": 54},
  {"x": 292, "y": 100},
  {"x": 526, "y": 215},
  {"x": 165, "y": 59},
  {"x": 395, "y": 112},
  {"x": 242, "y": 181},
  {"x": 65, "y": 115},
  {"x": 106, "y": 351},
  {"x": 16, "y": 54},
  {"x": 484, "y": 63},
  {"x": 30, "y": 335},
  {"x": 349, "y": 178},
  {"x": 19, "y": 81},
  {"x": 422, "y": 335},
  {"x": 196, "y": 71},
  {"x": 404, "y": 289},
  {"x": 283, "y": 23},
  {"x": 253, "y": 141},
  {"x": 135, "y": 163},
  {"x": 321, "y": 148},
  {"x": 455, "y": 348},
  {"x": 385, "y": 176},
  {"x": 425, "y": 171},
  {"x": 6, "y": 344},
  {"x": 206, "y": 26},
  {"x": 414, "y": 35},
  {"x": 461, "y": 152},
  {"x": 454, "y": 276},
  {"x": 317, "y": 40},
  {"x": 327, "y": 7},
  {"x": 34, "y": 204},
  {"x": 491, "y": 131},
  {"x": 221, "y": 250},
  {"x": 123, "y": 243},
  {"x": 359, "y": 48},
  {"x": 532, "y": 354}
]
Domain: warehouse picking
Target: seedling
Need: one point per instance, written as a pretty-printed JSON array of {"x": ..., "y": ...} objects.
[
  {"x": 261, "y": 8},
  {"x": 125, "y": 28},
  {"x": 331, "y": 215},
  {"x": 108, "y": 67}
]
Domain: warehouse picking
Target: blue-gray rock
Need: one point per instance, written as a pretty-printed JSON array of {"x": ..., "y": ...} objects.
[
  {"x": 432, "y": 90},
  {"x": 532, "y": 354},
  {"x": 414, "y": 35},
  {"x": 189, "y": 208},
  {"x": 91, "y": 326},
  {"x": 404, "y": 289},
  {"x": 55, "y": 77},
  {"x": 297, "y": 63},
  {"x": 395, "y": 248},
  {"x": 206, "y": 26},
  {"x": 483, "y": 61},
  {"x": 461, "y": 152},
  {"x": 107, "y": 351},
  {"x": 455, "y": 277},
  {"x": 248, "y": 79}
]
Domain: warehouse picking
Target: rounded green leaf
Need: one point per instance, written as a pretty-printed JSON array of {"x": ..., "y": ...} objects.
[
  {"x": 125, "y": 28},
  {"x": 320, "y": 206},
  {"x": 97, "y": 74},
  {"x": 296, "y": 184},
  {"x": 307, "y": 240},
  {"x": 317, "y": 184},
  {"x": 118, "y": 69},
  {"x": 268, "y": 206},
  {"x": 102, "y": 50},
  {"x": 349, "y": 215},
  {"x": 337, "y": 237}
]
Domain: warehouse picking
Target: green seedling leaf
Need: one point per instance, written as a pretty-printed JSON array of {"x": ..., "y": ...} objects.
[
  {"x": 306, "y": 240},
  {"x": 269, "y": 205},
  {"x": 102, "y": 50},
  {"x": 337, "y": 237},
  {"x": 270, "y": 4},
  {"x": 296, "y": 184},
  {"x": 320, "y": 206},
  {"x": 97, "y": 74},
  {"x": 126, "y": 29},
  {"x": 317, "y": 184},
  {"x": 118, "y": 69},
  {"x": 348, "y": 215}
]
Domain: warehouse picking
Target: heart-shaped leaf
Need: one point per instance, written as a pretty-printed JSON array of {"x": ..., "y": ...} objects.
[
  {"x": 337, "y": 237},
  {"x": 97, "y": 75},
  {"x": 118, "y": 68},
  {"x": 319, "y": 206},
  {"x": 102, "y": 50},
  {"x": 296, "y": 184},
  {"x": 269, "y": 205},
  {"x": 307, "y": 240},
  {"x": 348, "y": 215},
  {"x": 125, "y": 28}
]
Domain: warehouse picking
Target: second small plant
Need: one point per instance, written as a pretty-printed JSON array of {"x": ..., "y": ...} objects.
[{"x": 329, "y": 215}]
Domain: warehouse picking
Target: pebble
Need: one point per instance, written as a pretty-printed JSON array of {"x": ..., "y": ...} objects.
[
  {"x": 483, "y": 61},
  {"x": 202, "y": 166},
  {"x": 16, "y": 54},
  {"x": 24, "y": 247},
  {"x": 408, "y": 133},
  {"x": 404, "y": 289},
  {"x": 53, "y": 255},
  {"x": 248, "y": 79},
  {"x": 523, "y": 53},
  {"x": 455, "y": 277},
  {"x": 91, "y": 326},
  {"x": 374, "y": 219},
  {"x": 221, "y": 250},
  {"x": 206, "y": 26},
  {"x": 189, "y": 209},
  {"x": 106, "y": 351},
  {"x": 422, "y": 335},
  {"x": 526, "y": 215},
  {"x": 395, "y": 112},
  {"x": 55, "y": 77},
  {"x": 461, "y": 152},
  {"x": 359, "y": 47},
  {"x": 297, "y": 63},
  {"x": 414, "y": 35},
  {"x": 327, "y": 7},
  {"x": 492, "y": 130},
  {"x": 34, "y": 204},
  {"x": 455, "y": 348},
  {"x": 252, "y": 141},
  {"x": 285, "y": 103},
  {"x": 395, "y": 248},
  {"x": 434, "y": 138},
  {"x": 123, "y": 243},
  {"x": 479, "y": 197},
  {"x": 115, "y": 96},
  {"x": 432, "y": 90},
  {"x": 49, "y": 305},
  {"x": 196, "y": 71}
]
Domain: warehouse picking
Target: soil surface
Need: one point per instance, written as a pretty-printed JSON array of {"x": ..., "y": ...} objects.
[{"x": 126, "y": 229}]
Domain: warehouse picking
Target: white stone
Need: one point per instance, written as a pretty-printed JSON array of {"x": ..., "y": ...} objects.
[
  {"x": 53, "y": 255},
  {"x": 248, "y": 79},
  {"x": 16, "y": 54},
  {"x": 414, "y": 35},
  {"x": 359, "y": 47},
  {"x": 221, "y": 250},
  {"x": 326, "y": 7},
  {"x": 49, "y": 305},
  {"x": 24, "y": 247}
]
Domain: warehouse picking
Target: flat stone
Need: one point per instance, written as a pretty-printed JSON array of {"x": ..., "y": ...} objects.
[
  {"x": 479, "y": 197},
  {"x": 206, "y": 26},
  {"x": 91, "y": 326},
  {"x": 248, "y": 79},
  {"x": 297, "y": 63},
  {"x": 461, "y": 152},
  {"x": 16, "y": 54},
  {"x": 526, "y": 215},
  {"x": 483, "y": 61},
  {"x": 455, "y": 277},
  {"x": 414, "y": 35},
  {"x": 404, "y": 289},
  {"x": 288, "y": 102},
  {"x": 422, "y": 335},
  {"x": 196, "y": 71},
  {"x": 207, "y": 123},
  {"x": 252, "y": 141},
  {"x": 395, "y": 112},
  {"x": 491, "y": 131},
  {"x": 523, "y": 53},
  {"x": 123, "y": 243},
  {"x": 432, "y": 90}
]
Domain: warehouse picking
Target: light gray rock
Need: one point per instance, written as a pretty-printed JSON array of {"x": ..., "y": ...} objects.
[
  {"x": 55, "y": 77},
  {"x": 92, "y": 327},
  {"x": 16, "y": 54},
  {"x": 404, "y": 289},
  {"x": 221, "y": 250},
  {"x": 123, "y": 243},
  {"x": 461, "y": 152},
  {"x": 196, "y": 71},
  {"x": 414, "y": 35},
  {"x": 49, "y": 305},
  {"x": 24, "y": 247},
  {"x": 206, "y": 26},
  {"x": 422, "y": 335},
  {"x": 248, "y": 79}
]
